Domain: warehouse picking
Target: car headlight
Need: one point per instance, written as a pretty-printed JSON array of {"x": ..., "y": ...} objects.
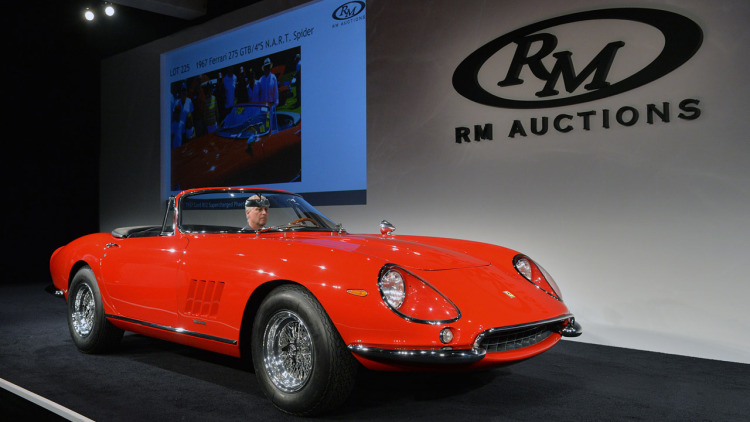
[
  {"x": 392, "y": 288},
  {"x": 413, "y": 298},
  {"x": 537, "y": 275}
]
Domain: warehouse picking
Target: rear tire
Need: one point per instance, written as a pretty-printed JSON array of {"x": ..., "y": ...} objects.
[
  {"x": 301, "y": 362},
  {"x": 90, "y": 330}
]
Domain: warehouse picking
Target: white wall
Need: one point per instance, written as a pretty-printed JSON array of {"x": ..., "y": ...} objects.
[{"x": 645, "y": 227}]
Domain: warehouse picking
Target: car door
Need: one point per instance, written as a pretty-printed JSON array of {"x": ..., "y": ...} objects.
[
  {"x": 215, "y": 281},
  {"x": 140, "y": 277}
]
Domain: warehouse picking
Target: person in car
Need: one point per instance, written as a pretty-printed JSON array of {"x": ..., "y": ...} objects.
[{"x": 256, "y": 210}]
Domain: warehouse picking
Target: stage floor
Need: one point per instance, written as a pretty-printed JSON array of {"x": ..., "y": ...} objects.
[{"x": 151, "y": 380}]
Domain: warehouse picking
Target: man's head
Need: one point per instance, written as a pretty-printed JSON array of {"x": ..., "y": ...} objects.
[{"x": 256, "y": 210}]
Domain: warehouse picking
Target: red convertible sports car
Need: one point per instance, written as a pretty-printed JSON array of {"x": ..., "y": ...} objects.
[{"x": 261, "y": 273}]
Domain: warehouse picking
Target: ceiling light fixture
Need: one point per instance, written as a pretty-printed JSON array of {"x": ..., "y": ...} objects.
[{"x": 109, "y": 9}]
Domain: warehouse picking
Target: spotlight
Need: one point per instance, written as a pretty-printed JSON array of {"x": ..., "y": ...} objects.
[
  {"x": 109, "y": 10},
  {"x": 89, "y": 15}
]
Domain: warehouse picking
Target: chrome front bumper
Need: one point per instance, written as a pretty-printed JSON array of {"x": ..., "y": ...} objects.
[
  {"x": 565, "y": 325},
  {"x": 440, "y": 356},
  {"x": 573, "y": 329}
]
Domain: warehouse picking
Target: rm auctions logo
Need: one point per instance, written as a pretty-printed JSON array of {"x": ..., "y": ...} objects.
[
  {"x": 348, "y": 10},
  {"x": 682, "y": 38},
  {"x": 616, "y": 50}
]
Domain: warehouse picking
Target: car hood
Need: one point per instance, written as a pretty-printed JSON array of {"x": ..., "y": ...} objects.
[{"x": 406, "y": 253}]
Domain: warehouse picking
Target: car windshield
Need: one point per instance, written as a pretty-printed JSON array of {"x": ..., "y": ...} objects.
[
  {"x": 245, "y": 120},
  {"x": 223, "y": 211}
]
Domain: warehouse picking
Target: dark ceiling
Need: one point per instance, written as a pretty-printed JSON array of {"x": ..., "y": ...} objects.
[{"x": 129, "y": 28}]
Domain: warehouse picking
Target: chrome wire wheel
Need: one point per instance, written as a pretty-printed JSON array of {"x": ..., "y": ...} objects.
[
  {"x": 287, "y": 351},
  {"x": 84, "y": 311},
  {"x": 300, "y": 360},
  {"x": 89, "y": 328}
]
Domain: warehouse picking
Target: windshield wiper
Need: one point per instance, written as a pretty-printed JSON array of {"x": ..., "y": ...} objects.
[
  {"x": 273, "y": 228},
  {"x": 300, "y": 227}
]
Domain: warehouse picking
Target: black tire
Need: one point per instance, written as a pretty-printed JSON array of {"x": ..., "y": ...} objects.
[
  {"x": 309, "y": 374},
  {"x": 90, "y": 330}
]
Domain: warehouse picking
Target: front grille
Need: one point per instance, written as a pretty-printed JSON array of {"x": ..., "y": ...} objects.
[{"x": 503, "y": 340}]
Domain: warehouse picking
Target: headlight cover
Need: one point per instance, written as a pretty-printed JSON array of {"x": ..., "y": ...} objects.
[
  {"x": 534, "y": 273},
  {"x": 413, "y": 298},
  {"x": 392, "y": 288}
]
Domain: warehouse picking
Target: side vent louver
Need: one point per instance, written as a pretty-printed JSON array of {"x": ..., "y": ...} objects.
[{"x": 203, "y": 298}]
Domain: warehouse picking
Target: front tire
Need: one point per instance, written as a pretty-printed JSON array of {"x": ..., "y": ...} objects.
[
  {"x": 90, "y": 330},
  {"x": 301, "y": 362}
]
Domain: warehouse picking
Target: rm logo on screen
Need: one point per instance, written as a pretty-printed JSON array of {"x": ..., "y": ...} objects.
[{"x": 348, "y": 10}]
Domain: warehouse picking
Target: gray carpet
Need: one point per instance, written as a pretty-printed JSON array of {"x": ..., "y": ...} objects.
[{"x": 152, "y": 380}]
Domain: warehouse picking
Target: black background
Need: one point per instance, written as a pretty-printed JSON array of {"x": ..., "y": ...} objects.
[{"x": 50, "y": 148}]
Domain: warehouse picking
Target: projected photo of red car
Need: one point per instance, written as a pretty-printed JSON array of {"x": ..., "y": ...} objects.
[{"x": 238, "y": 127}]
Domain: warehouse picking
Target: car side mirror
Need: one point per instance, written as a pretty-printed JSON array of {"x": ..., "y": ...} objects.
[{"x": 386, "y": 227}]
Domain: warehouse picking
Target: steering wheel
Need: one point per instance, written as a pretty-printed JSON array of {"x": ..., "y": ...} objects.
[{"x": 303, "y": 219}]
